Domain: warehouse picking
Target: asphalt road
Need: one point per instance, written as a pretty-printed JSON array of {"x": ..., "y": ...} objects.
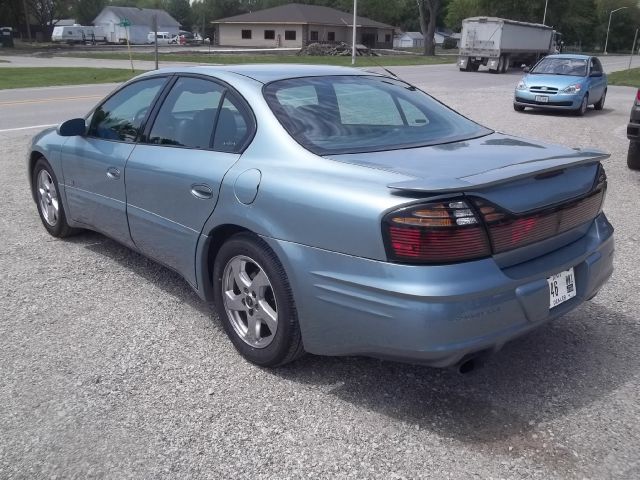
[{"x": 110, "y": 367}]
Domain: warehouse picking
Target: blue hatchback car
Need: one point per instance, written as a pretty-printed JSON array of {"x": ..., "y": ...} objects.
[
  {"x": 563, "y": 82},
  {"x": 331, "y": 210}
]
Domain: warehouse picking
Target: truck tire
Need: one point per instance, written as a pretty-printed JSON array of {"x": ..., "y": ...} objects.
[
  {"x": 633, "y": 156},
  {"x": 475, "y": 66},
  {"x": 505, "y": 64}
]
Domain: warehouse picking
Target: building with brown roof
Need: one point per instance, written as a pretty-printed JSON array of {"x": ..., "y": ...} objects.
[{"x": 296, "y": 25}]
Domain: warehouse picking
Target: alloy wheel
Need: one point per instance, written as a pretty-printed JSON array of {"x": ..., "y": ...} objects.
[
  {"x": 48, "y": 198},
  {"x": 249, "y": 301}
]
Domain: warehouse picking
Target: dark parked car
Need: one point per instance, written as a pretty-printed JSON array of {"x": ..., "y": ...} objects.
[
  {"x": 333, "y": 211},
  {"x": 633, "y": 134}
]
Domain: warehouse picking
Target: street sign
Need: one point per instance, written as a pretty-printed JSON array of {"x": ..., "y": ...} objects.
[{"x": 125, "y": 22}]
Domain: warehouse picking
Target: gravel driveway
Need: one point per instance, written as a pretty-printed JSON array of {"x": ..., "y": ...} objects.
[{"x": 110, "y": 367}]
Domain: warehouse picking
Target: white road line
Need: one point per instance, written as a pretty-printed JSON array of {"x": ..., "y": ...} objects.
[{"x": 27, "y": 128}]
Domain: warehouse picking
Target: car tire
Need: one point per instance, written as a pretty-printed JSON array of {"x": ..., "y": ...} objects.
[
  {"x": 600, "y": 104},
  {"x": 46, "y": 192},
  {"x": 518, "y": 108},
  {"x": 633, "y": 156},
  {"x": 263, "y": 303},
  {"x": 582, "y": 109}
]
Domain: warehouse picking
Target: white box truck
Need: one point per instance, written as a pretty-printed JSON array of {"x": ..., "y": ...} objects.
[{"x": 499, "y": 43}]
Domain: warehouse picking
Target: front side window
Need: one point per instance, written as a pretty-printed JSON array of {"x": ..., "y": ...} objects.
[
  {"x": 561, "y": 66},
  {"x": 289, "y": 34},
  {"x": 121, "y": 116},
  {"x": 596, "y": 66},
  {"x": 353, "y": 114},
  {"x": 246, "y": 34},
  {"x": 187, "y": 116}
]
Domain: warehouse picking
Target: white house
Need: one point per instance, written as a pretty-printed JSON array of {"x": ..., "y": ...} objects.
[
  {"x": 408, "y": 40},
  {"x": 140, "y": 22}
]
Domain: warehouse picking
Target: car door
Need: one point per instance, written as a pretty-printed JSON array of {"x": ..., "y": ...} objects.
[
  {"x": 94, "y": 164},
  {"x": 173, "y": 177}
]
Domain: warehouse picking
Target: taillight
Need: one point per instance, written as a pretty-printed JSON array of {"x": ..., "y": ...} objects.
[
  {"x": 436, "y": 232},
  {"x": 638, "y": 97}
]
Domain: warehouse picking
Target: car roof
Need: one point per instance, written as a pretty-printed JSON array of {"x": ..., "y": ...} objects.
[{"x": 265, "y": 73}]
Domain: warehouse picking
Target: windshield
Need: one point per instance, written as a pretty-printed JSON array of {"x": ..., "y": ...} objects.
[
  {"x": 561, "y": 66},
  {"x": 353, "y": 114}
]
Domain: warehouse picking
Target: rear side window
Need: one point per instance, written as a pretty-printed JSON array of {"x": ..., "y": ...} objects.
[
  {"x": 188, "y": 114},
  {"x": 121, "y": 115},
  {"x": 354, "y": 114},
  {"x": 233, "y": 127},
  {"x": 202, "y": 114}
]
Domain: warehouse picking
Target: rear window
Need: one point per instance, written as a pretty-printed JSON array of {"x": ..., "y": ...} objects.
[{"x": 354, "y": 114}]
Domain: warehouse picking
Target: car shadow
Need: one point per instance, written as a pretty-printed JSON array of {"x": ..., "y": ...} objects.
[
  {"x": 163, "y": 277},
  {"x": 566, "y": 113},
  {"x": 557, "y": 369}
]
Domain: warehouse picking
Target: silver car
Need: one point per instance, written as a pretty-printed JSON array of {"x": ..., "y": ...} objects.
[{"x": 333, "y": 211}]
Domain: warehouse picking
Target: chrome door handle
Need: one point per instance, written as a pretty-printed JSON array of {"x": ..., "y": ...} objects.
[
  {"x": 201, "y": 191},
  {"x": 113, "y": 173}
]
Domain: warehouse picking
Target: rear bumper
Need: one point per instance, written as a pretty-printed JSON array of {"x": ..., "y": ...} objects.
[
  {"x": 558, "y": 101},
  {"x": 434, "y": 315}
]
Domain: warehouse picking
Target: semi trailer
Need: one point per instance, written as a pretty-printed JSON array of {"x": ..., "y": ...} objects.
[{"x": 499, "y": 43}]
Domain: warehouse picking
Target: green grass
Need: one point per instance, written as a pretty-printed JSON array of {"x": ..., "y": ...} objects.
[
  {"x": 386, "y": 60},
  {"x": 628, "y": 78},
  {"x": 49, "y": 76}
]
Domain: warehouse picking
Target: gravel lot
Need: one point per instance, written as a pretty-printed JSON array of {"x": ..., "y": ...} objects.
[{"x": 110, "y": 367}]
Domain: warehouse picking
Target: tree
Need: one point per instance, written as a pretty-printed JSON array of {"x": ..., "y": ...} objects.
[
  {"x": 85, "y": 11},
  {"x": 429, "y": 10},
  {"x": 181, "y": 11}
]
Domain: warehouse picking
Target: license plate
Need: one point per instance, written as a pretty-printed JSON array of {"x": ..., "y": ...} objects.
[
  {"x": 562, "y": 287},
  {"x": 542, "y": 99}
]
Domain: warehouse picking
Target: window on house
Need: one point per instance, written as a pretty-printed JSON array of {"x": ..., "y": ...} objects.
[
  {"x": 269, "y": 34},
  {"x": 331, "y": 36},
  {"x": 289, "y": 34},
  {"x": 387, "y": 38},
  {"x": 313, "y": 35},
  {"x": 246, "y": 34}
]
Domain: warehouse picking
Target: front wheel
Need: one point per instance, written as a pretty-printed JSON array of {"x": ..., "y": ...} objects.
[
  {"x": 518, "y": 108},
  {"x": 633, "y": 156},
  {"x": 46, "y": 191},
  {"x": 255, "y": 302},
  {"x": 582, "y": 109}
]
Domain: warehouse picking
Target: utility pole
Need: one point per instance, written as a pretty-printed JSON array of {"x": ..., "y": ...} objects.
[
  {"x": 635, "y": 37},
  {"x": 26, "y": 18},
  {"x": 353, "y": 40},
  {"x": 544, "y": 17},
  {"x": 606, "y": 42},
  {"x": 155, "y": 34}
]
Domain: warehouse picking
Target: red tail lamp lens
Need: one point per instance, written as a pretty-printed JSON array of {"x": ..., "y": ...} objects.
[{"x": 441, "y": 232}]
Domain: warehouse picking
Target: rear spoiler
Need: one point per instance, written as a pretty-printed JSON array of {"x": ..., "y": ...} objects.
[{"x": 497, "y": 176}]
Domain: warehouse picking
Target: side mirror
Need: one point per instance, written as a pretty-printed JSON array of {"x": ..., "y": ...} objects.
[
  {"x": 72, "y": 128},
  {"x": 596, "y": 74},
  {"x": 526, "y": 69}
]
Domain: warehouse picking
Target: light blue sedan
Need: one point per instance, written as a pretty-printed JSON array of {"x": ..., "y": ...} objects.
[
  {"x": 331, "y": 210},
  {"x": 563, "y": 82}
]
